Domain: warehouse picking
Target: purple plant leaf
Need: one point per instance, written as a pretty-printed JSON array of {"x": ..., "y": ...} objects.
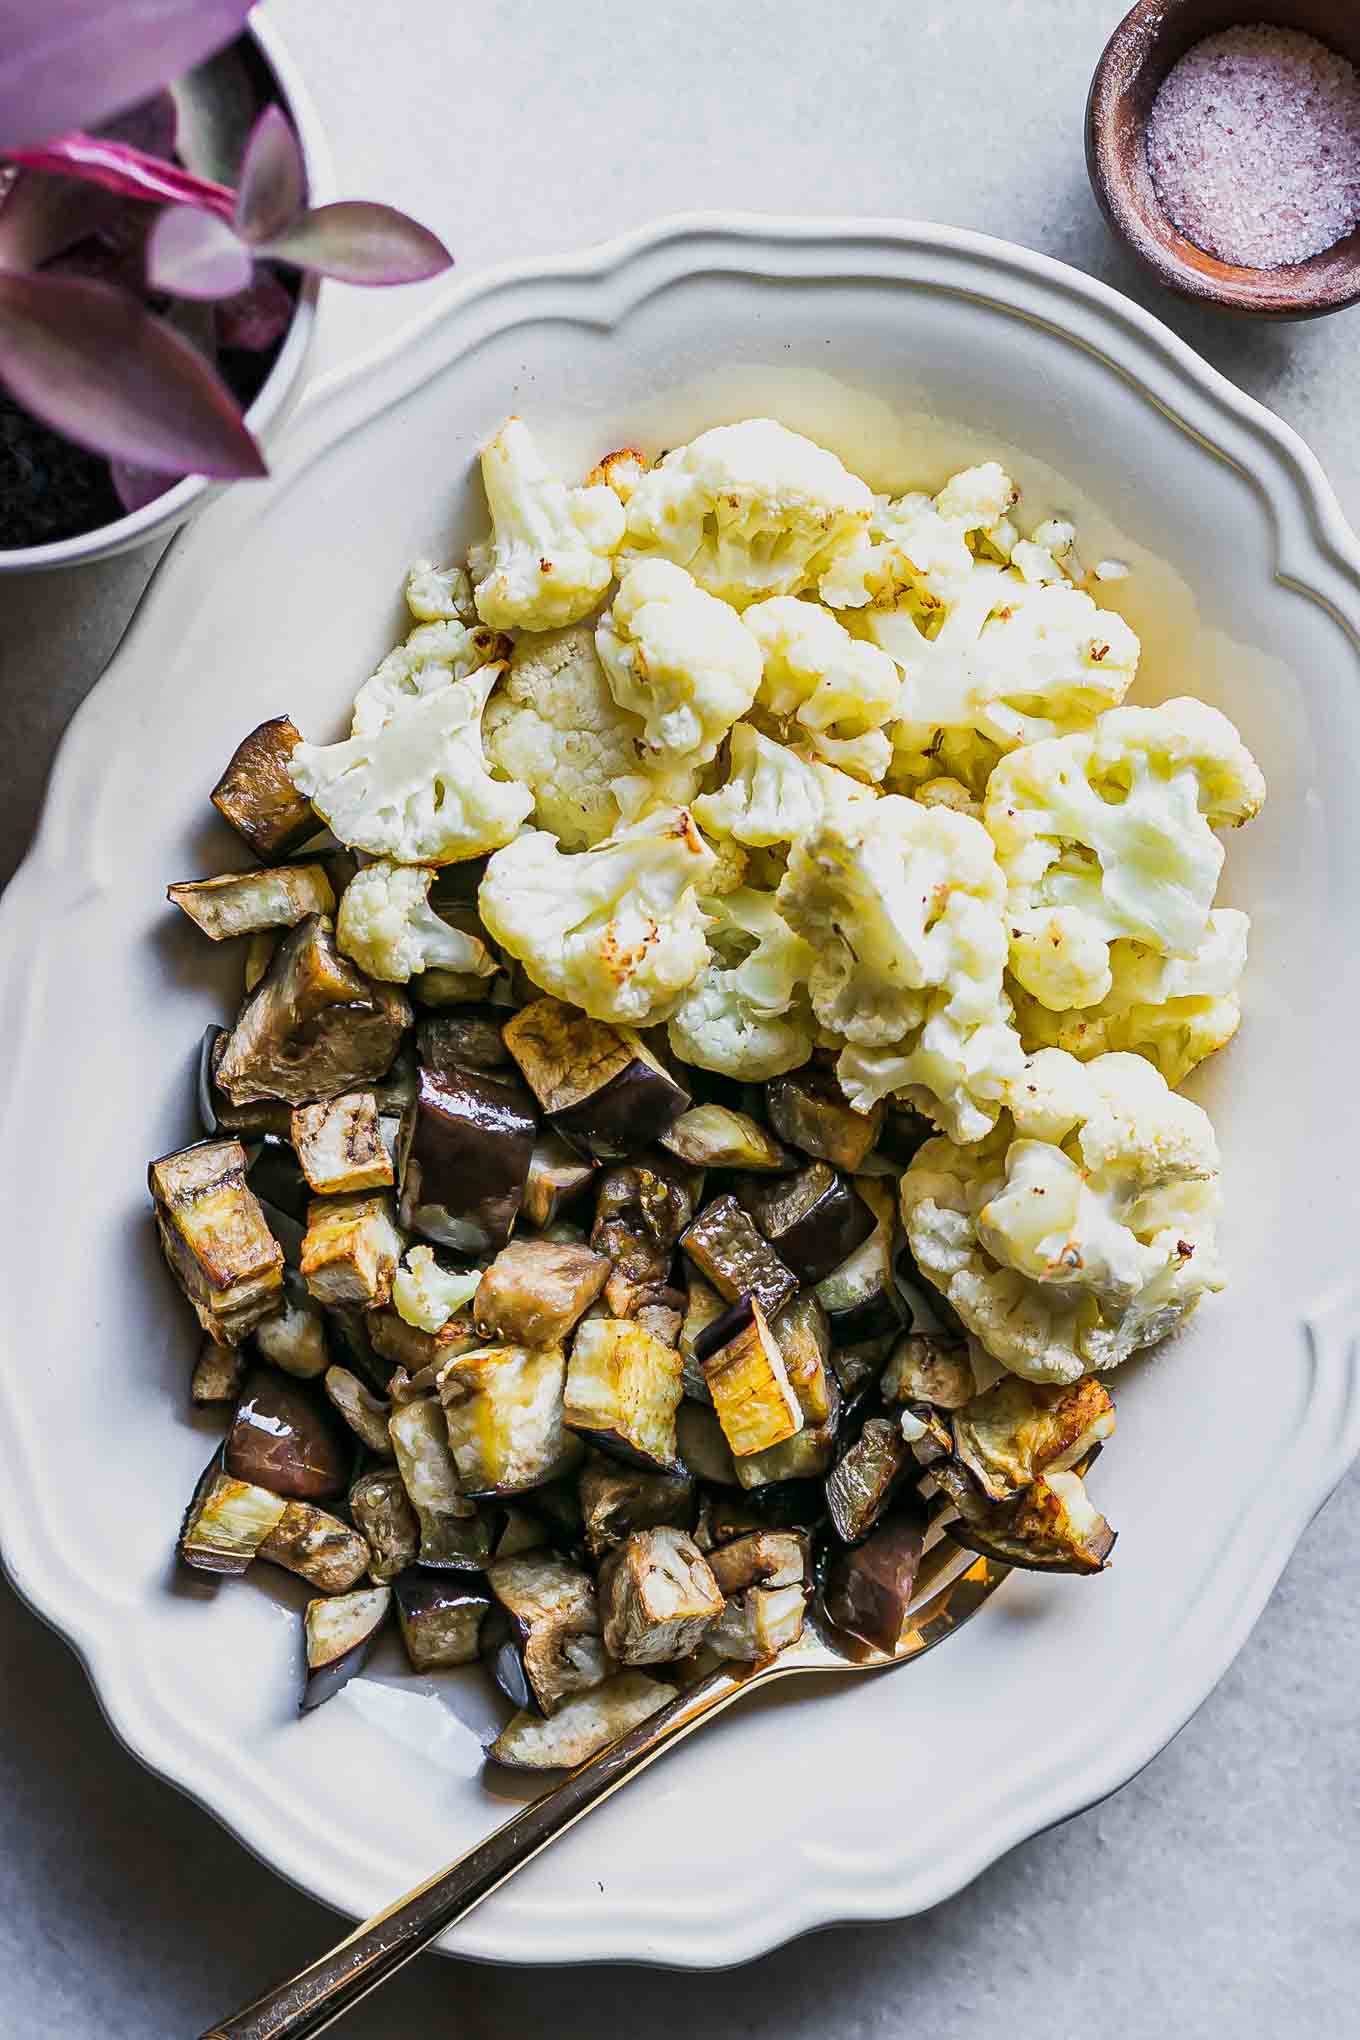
[
  {"x": 273, "y": 186},
  {"x": 152, "y": 126},
  {"x": 196, "y": 255},
  {"x": 69, "y": 61},
  {"x": 116, "y": 166},
  {"x": 257, "y": 318},
  {"x": 358, "y": 242},
  {"x": 135, "y": 487},
  {"x": 43, "y": 216},
  {"x": 93, "y": 365}
]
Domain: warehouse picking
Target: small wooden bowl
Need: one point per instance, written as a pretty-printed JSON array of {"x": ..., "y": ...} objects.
[{"x": 1153, "y": 37}]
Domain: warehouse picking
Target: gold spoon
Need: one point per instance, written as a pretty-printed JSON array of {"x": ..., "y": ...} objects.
[{"x": 951, "y": 1585}]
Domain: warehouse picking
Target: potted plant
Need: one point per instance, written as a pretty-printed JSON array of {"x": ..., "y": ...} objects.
[{"x": 161, "y": 251}]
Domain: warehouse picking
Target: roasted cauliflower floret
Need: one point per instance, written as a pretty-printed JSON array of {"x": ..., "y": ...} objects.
[
  {"x": 1174, "y": 1010},
  {"x": 616, "y": 930},
  {"x": 746, "y": 1014},
  {"x": 678, "y": 658},
  {"x": 750, "y": 509},
  {"x": 1083, "y": 1227},
  {"x": 427, "y": 1295},
  {"x": 432, "y": 655},
  {"x": 913, "y": 545},
  {"x": 775, "y": 793},
  {"x": 550, "y": 555},
  {"x": 417, "y": 790},
  {"x": 553, "y": 725},
  {"x": 902, "y": 907},
  {"x": 437, "y": 593},
  {"x": 388, "y": 927},
  {"x": 1110, "y": 834},
  {"x": 837, "y": 690}
]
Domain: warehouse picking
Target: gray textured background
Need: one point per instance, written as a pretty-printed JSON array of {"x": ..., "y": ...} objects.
[{"x": 1218, "y": 1891}]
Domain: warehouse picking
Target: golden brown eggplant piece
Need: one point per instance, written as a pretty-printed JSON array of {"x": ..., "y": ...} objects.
[
  {"x": 729, "y": 1252},
  {"x": 441, "y": 1619},
  {"x": 657, "y": 1596},
  {"x": 865, "y": 1478},
  {"x": 504, "y": 1411},
  {"x": 557, "y": 1179},
  {"x": 217, "y": 1376},
  {"x": 929, "y": 1367},
  {"x": 813, "y": 1218},
  {"x": 227, "y": 1521},
  {"x": 351, "y": 1250},
  {"x": 1020, "y": 1429},
  {"x": 534, "y": 1291},
  {"x": 616, "y": 1500},
  {"x": 256, "y": 795},
  {"x": 249, "y": 902},
  {"x": 314, "y": 1026},
  {"x": 749, "y": 1384},
  {"x": 716, "y": 1137},
  {"x": 582, "y": 1728},
  {"x": 340, "y": 1147},
  {"x": 417, "y": 1351},
  {"x": 604, "y": 1091},
  {"x": 318, "y": 1547},
  {"x": 384, "y": 1518},
  {"x": 1051, "y": 1526},
  {"x": 641, "y": 1209},
  {"x": 760, "y": 1558},
  {"x": 758, "y": 1624},
  {"x": 622, "y": 1392},
  {"x": 548, "y": 1644},
  {"x": 420, "y": 1442},
  {"x": 340, "y": 1631},
  {"x": 365, "y": 1413},
  {"x": 213, "y": 1230}
]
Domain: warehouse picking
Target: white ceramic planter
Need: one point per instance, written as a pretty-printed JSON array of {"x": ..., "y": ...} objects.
[{"x": 267, "y": 414}]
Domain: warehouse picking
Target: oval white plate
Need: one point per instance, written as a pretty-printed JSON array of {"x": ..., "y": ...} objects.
[{"x": 908, "y": 348}]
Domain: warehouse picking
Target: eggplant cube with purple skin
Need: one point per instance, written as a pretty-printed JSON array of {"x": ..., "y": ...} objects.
[
  {"x": 318, "y": 1547},
  {"x": 249, "y": 902},
  {"x": 536, "y": 1290},
  {"x": 658, "y": 1597},
  {"x": 441, "y": 1619},
  {"x": 351, "y": 1250},
  {"x": 216, "y": 1240},
  {"x": 1018, "y": 1429},
  {"x": 813, "y": 1219},
  {"x": 581, "y": 1728},
  {"x": 749, "y": 1384},
  {"x": 503, "y": 1406},
  {"x": 257, "y": 796},
  {"x": 810, "y": 1111},
  {"x": 341, "y": 1630},
  {"x": 471, "y": 1146},
  {"x": 758, "y": 1624},
  {"x": 600, "y": 1086},
  {"x": 865, "y": 1478},
  {"x": 314, "y": 1026},
  {"x": 729, "y": 1252},
  {"x": 616, "y": 1500},
  {"x": 227, "y": 1521},
  {"x": 385, "y": 1520},
  {"x": 552, "y": 1647},
  {"x": 557, "y": 1178},
  {"x": 623, "y": 1389},
  {"x": 340, "y": 1146},
  {"x": 641, "y": 1209},
  {"x": 451, "y": 1533},
  {"x": 930, "y": 1367},
  {"x": 1051, "y": 1526}
]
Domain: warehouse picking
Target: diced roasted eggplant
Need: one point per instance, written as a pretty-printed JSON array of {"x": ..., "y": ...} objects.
[
  {"x": 217, "y": 1114},
  {"x": 217, "y": 1374},
  {"x": 1051, "y": 1526},
  {"x": 860, "y": 1295},
  {"x": 704, "y": 1452},
  {"x": 729, "y": 1252},
  {"x": 858, "y": 1367},
  {"x": 641, "y": 1209},
  {"x": 351, "y": 1251},
  {"x": 275, "y": 1175},
  {"x": 441, "y": 1619},
  {"x": 662, "y": 1319},
  {"x": 220, "y": 1250},
  {"x": 716, "y": 1137},
  {"x": 417, "y": 1351},
  {"x": 807, "y": 1456},
  {"x": 365, "y": 1414},
  {"x": 341, "y": 1631},
  {"x": 451, "y": 1532},
  {"x": 867, "y": 1590},
  {"x": 503, "y": 1407},
  {"x": 601, "y": 1087},
  {"x": 813, "y": 1219},
  {"x": 760, "y": 1558},
  {"x": 758, "y": 1624},
  {"x": 534, "y": 1291},
  {"x": 809, "y": 1110},
  {"x": 557, "y": 1182},
  {"x": 348, "y": 1336},
  {"x": 616, "y": 1500},
  {"x": 247, "y": 902},
  {"x": 437, "y": 989},
  {"x": 471, "y": 1147},
  {"x": 466, "y": 1037},
  {"x": 256, "y": 795},
  {"x": 318, "y": 1547},
  {"x": 749, "y": 1384},
  {"x": 930, "y": 1367},
  {"x": 259, "y": 955},
  {"x": 227, "y": 1521},
  {"x": 340, "y": 1147},
  {"x": 623, "y": 1388},
  {"x": 865, "y": 1479},
  {"x": 551, "y": 1646},
  {"x": 314, "y": 1026},
  {"x": 657, "y": 1596},
  {"x": 385, "y": 1519},
  {"x": 285, "y": 1438},
  {"x": 927, "y": 1433},
  {"x": 1020, "y": 1429},
  {"x": 294, "y": 1336},
  {"x": 804, "y": 1337},
  {"x": 581, "y": 1729}
]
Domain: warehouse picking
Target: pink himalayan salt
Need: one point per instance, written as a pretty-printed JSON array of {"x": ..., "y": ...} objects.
[{"x": 1254, "y": 146}]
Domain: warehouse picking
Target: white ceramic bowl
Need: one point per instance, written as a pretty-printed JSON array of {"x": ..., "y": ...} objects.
[{"x": 907, "y": 348}]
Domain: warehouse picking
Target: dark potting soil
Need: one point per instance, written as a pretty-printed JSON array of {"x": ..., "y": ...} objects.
[{"x": 49, "y": 489}]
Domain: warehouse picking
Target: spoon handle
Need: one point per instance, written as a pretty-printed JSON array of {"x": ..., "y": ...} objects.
[{"x": 312, "y": 2000}]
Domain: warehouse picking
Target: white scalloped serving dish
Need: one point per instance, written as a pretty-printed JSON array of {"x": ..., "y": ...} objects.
[{"x": 908, "y": 348}]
